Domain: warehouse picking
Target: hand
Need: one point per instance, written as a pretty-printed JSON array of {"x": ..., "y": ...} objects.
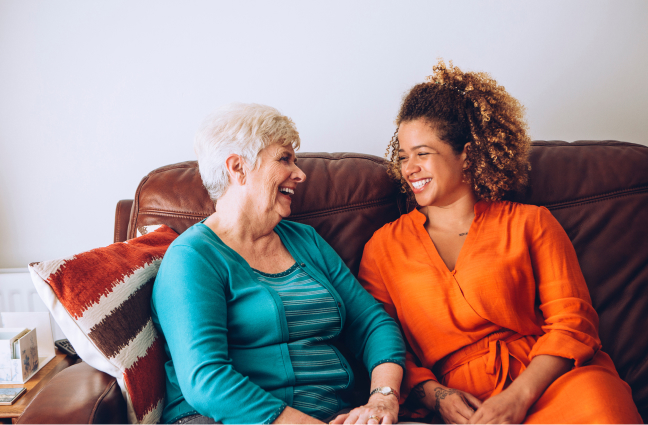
[
  {"x": 382, "y": 410},
  {"x": 455, "y": 406},
  {"x": 504, "y": 408}
]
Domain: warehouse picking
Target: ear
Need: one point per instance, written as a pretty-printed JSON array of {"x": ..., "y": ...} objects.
[
  {"x": 464, "y": 154},
  {"x": 236, "y": 169}
]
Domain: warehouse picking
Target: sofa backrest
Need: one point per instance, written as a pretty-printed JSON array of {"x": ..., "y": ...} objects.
[
  {"x": 346, "y": 198},
  {"x": 598, "y": 191}
]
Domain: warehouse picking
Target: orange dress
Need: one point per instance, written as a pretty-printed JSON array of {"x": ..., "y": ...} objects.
[{"x": 516, "y": 292}]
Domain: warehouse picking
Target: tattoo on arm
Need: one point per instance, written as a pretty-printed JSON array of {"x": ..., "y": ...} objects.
[
  {"x": 440, "y": 394},
  {"x": 418, "y": 391}
]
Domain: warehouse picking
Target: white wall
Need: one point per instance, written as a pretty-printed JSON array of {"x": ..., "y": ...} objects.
[{"x": 93, "y": 95}]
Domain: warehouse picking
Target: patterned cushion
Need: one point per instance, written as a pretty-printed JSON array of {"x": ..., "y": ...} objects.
[{"x": 101, "y": 301}]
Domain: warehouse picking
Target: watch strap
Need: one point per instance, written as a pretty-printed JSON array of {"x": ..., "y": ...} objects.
[{"x": 384, "y": 391}]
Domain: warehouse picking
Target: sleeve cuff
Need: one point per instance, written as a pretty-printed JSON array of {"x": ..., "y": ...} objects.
[
  {"x": 561, "y": 344},
  {"x": 400, "y": 363},
  {"x": 276, "y": 413}
]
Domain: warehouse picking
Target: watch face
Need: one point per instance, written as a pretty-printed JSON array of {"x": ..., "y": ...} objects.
[{"x": 386, "y": 390}]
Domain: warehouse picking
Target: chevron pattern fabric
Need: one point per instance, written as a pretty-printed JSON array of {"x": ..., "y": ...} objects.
[{"x": 101, "y": 301}]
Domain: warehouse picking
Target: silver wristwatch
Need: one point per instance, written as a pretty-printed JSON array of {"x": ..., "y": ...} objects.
[{"x": 384, "y": 391}]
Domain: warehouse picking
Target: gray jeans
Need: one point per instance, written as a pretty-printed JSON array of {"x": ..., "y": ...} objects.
[
  {"x": 196, "y": 419},
  {"x": 200, "y": 419}
]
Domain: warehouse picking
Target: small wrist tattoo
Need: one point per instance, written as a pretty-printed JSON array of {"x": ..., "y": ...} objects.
[{"x": 418, "y": 391}]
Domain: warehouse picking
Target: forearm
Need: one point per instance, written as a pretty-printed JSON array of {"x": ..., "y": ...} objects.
[
  {"x": 428, "y": 393},
  {"x": 294, "y": 416},
  {"x": 541, "y": 372},
  {"x": 387, "y": 375}
]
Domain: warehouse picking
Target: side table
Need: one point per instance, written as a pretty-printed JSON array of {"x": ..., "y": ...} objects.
[{"x": 10, "y": 414}]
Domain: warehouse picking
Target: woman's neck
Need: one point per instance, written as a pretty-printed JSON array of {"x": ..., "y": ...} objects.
[
  {"x": 455, "y": 215},
  {"x": 238, "y": 223}
]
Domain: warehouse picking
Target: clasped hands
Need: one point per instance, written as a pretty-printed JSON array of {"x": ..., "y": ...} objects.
[
  {"x": 380, "y": 409},
  {"x": 459, "y": 407}
]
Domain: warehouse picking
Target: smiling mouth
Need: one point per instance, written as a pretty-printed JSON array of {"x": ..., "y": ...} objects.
[
  {"x": 419, "y": 184},
  {"x": 286, "y": 191}
]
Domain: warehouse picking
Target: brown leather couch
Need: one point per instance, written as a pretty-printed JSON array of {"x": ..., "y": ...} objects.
[{"x": 598, "y": 191}]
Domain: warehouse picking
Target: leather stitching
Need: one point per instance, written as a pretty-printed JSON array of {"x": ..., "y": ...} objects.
[
  {"x": 172, "y": 214},
  {"x": 581, "y": 143},
  {"x": 309, "y": 214},
  {"x": 598, "y": 198},
  {"x": 347, "y": 208},
  {"x": 172, "y": 211}
]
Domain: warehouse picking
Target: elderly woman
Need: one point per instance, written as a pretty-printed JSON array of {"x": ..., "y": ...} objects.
[
  {"x": 251, "y": 304},
  {"x": 489, "y": 293}
]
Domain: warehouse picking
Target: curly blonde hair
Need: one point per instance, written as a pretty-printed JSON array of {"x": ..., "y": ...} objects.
[{"x": 470, "y": 107}]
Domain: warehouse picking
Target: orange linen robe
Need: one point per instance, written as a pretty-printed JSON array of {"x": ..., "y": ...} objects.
[{"x": 516, "y": 292}]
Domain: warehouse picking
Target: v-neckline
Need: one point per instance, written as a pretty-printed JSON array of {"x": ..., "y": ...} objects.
[{"x": 419, "y": 220}]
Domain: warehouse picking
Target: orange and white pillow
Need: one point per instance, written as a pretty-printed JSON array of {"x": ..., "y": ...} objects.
[{"x": 101, "y": 300}]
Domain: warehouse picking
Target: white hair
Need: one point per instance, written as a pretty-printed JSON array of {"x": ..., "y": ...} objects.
[{"x": 238, "y": 128}]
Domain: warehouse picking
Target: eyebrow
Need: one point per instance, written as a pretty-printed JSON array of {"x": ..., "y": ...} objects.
[
  {"x": 290, "y": 154},
  {"x": 417, "y": 147}
]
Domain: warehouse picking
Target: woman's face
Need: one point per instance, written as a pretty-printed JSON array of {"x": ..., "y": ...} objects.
[
  {"x": 273, "y": 183},
  {"x": 430, "y": 166}
]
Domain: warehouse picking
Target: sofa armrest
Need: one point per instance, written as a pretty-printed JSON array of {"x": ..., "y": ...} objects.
[
  {"x": 122, "y": 217},
  {"x": 79, "y": 394}
]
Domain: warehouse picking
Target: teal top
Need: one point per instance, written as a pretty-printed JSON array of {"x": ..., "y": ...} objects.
[
  {"x": 313, "y": 321},
  {"x": 227, "y": 334}
]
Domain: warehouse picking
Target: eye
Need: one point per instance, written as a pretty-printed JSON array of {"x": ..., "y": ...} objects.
[
  {"x": 285, "y": 159},
  {"x": 402, "y": 158},
  {"x": 423, "y": 153}
]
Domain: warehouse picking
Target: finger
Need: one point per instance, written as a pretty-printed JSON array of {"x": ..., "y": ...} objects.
[
  {"x": 473, "y": 401},
  {"x": 477, "y": 417},
  {"x": 369, "y": 418},
  {"x": 339, "y": 419},
  {"x": 464, "y": 409},
  {"x": 387, "y": 419},
  {"x": 456, "y": 418},
  {"x": 351, "y": 419}
]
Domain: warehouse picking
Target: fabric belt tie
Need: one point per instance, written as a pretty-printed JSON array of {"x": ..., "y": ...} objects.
[{"x": 498, "y": 361}]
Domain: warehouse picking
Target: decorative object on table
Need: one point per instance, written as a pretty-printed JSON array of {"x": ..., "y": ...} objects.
[
  {"x": 18, "y": 355},
  {"x": 101, "y": 301},
  {"x": 9, "y": 395},
  {"x": 41, "y": 325}
]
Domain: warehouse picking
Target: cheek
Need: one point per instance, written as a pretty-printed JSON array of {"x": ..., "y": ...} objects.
[
  {"x": 450, "y": 169},
  {"x": 273, "y": 178},
  {"x": 269, "y": 186}
]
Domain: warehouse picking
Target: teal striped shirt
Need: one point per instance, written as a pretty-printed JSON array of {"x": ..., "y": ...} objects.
[{"x": 313, "y": 320}]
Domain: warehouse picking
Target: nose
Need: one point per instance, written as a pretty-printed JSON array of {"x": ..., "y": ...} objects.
[
  {"x": 298, "y": 175},
  {"x": 410, "y": 168}
]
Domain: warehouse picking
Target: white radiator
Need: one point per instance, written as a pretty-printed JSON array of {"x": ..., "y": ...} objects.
[{"x": 17, "y": 294}]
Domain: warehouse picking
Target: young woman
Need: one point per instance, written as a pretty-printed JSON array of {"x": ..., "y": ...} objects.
[{"x": 489, "y": 294}]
